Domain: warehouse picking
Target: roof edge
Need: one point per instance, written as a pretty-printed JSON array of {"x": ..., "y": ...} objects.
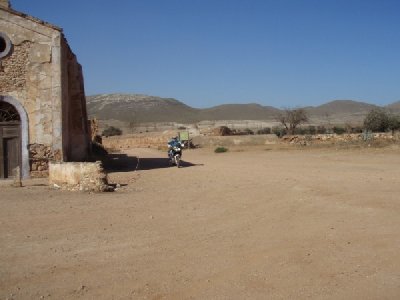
[{"x": 31, "y": 18}]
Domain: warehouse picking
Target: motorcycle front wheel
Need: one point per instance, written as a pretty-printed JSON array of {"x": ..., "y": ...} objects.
[{"x": 177, "y": 160}]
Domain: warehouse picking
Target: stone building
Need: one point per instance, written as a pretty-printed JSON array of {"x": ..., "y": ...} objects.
[{"x": 42, "y": 101}]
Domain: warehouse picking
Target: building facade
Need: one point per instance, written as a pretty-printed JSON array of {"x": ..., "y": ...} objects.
[{"x": 42, "y": 100}]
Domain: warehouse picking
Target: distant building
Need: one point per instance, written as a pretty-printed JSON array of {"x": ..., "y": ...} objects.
[{"x": 42, "y": 100}]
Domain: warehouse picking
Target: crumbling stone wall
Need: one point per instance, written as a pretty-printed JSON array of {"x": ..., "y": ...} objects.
[
  {"x": 40, "y": 156},
  {"x": 76, "y": 176},
  {"x": 94, "y": 129},
  {"x": 42, "y": 74}
]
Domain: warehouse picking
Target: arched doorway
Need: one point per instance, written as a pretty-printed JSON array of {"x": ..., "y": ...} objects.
[
  {"x": 10, "y": 140},
  {"x": 7, "y": 101}
]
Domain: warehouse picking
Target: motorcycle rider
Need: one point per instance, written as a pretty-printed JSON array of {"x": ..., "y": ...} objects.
[{"x": 173, "y": 142}]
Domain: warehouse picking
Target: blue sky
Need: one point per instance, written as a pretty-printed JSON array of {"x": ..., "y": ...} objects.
[{"x": 283, "y": 53}]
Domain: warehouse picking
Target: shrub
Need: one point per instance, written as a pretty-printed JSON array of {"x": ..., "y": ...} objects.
[
  {"x": 394, "y": 122},
  {"x": 321, "y": 130},
  {"x": 292, "y": 118},
  {"x": 338, "y": 130},
  {"x": 377, "y": 120},
  {"x": 248, "y": 131},
  {"x": 265, "y": 130},
  {"x": 353, "y": 128},
  {"x": 306, "y": 130},
  {"x": 279, "y": 131},
  {"x": 312, "y": 130},
  {"x": 300, "y": 131},
  {"x": 222, "y": 131},
  {"x": 220, "y": 150},
  {"x": 111, "y": 131}
]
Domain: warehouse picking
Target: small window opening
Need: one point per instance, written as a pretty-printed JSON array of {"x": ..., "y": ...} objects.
[{"x": 3, "y": 44}]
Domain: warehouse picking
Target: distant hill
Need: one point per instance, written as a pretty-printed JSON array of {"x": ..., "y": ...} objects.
[
  {"x": 394, "y": 107},
  {"x": 142, "y": 108},
  {"x": 250, "y": 111},
  {"x": 139, "y": 108},
  {"x": 341, "y": 107}
]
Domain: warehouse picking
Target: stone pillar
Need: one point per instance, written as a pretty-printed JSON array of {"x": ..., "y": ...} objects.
[
  {"x": 17, "y": 177},
  {"x": 5, "y": 3}
]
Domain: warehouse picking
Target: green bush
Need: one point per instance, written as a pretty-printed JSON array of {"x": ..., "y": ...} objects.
[
  {"x": 220, "y": 150},
  {"x": 111, "y": 131}
]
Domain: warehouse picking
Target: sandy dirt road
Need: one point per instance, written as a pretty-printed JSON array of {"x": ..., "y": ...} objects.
[{"x": 258, "y": 224}]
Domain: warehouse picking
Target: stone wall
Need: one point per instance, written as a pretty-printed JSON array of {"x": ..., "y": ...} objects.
[
  {"x": 42, "y": 74},
  {"x": 29, "y": 74},
  {"x": 77, "y": 176},
  {"x": 13, "y": 68},
  {"x": 236, "y": 140},
  {"x": 160, "y": 140},
  {"x": 150, "y": 140},
  {"x": 5, "y": 3},
  {"x": 340, "y": 138},
  {"x": 39, "y": 157}
]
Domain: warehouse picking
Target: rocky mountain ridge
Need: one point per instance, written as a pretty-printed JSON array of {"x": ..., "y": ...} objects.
[{"x": 142, "y": 108}]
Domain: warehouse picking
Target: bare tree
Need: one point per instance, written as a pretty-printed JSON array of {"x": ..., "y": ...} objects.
[{"x": 291, "y": 118}]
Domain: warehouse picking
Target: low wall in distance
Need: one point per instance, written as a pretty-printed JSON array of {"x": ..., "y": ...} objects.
[
  {"x": 236, "y": 140},
  {"x": 149, "y": 140},
  {"x": 159, "y": 140},
  {"x": 340, "y": 138}
]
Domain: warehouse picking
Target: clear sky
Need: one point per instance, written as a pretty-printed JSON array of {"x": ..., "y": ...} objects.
[{"x": 282, "y": 53}]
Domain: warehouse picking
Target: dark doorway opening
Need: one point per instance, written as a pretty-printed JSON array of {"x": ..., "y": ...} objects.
[{"x": 10, "y": 140}]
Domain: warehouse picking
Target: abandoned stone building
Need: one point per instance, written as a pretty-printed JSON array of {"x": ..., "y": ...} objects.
[{"x": 42, "y": 101}]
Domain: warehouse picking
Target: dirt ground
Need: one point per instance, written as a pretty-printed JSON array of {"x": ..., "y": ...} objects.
[{"x": 254, "y": 224}]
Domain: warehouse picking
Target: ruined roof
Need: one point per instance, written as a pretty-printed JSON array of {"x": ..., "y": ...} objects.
[{"x": 28, "y": 17}]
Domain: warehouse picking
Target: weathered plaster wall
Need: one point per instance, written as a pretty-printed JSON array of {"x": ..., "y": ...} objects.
[
  {"x": 31, "y": 75},
  {"x": 76, "y": 131},
  {"x": 5, "y": 3}
]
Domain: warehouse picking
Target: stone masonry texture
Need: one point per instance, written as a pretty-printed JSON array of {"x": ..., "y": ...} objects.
[{"x": 42, "y": 74}]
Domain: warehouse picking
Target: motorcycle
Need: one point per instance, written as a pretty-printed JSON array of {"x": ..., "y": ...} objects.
[{"x": 175, "y": 154}]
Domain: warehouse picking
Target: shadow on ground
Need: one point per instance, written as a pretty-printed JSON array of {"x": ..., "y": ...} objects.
[
  {"x": 125, "y": 163},
  {"x": 160, "y": 163},
  {"x": 120, "y": 163}
]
